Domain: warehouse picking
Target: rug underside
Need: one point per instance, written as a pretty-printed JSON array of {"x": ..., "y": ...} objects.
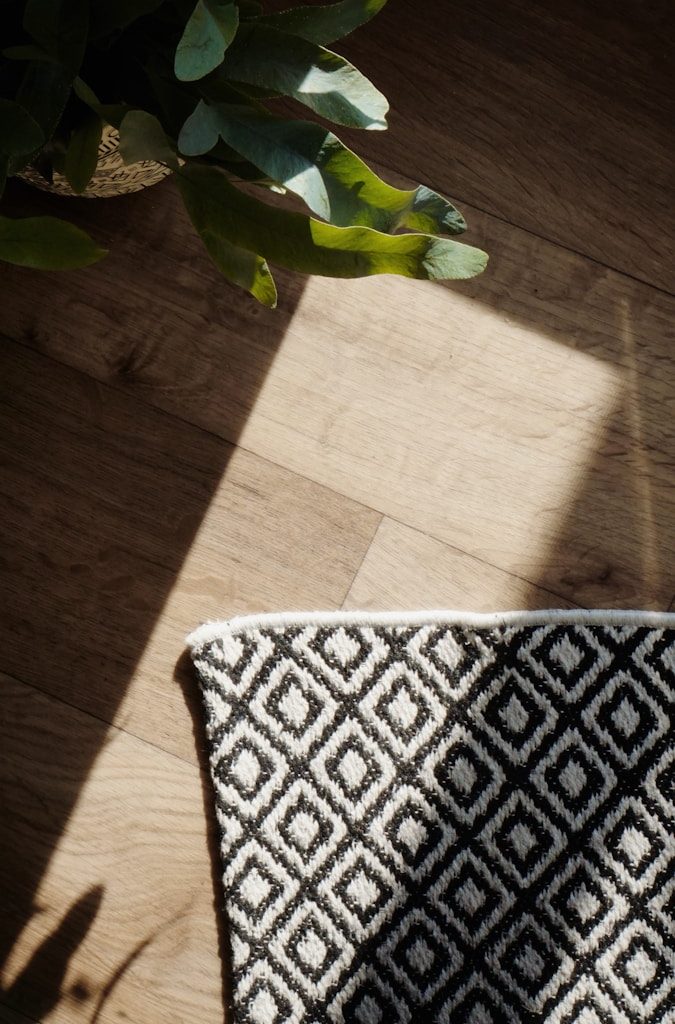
[{"x": 445, "y": 818}]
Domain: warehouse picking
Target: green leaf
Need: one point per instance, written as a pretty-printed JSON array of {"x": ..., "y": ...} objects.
[
  {"x": 44, "y": 92},
  {"x": 313, "y": 163},
  {"x": 109, "y": 113},
  {"x": 312, "y": 247},
  {"x": 268, "y": 59},
  {"x": 208, "y": 33},
  {"x": 239, "y": 265},
  {"x": 60, "y": 28},
  {"x": 20, "y": 135},
  {"x": 324, "y": 25},
  {"x": 46, "y": 243},
  {"x": 143, "y": 138},
  {"x": 82, "y": 153},
  {"x": 28, "y": 52}
]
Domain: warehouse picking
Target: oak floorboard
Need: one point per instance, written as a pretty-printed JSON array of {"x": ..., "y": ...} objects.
[
  {"x": 122, "y": 925},
  {"x": 408, "y": 570},
  {"x": 555, "y": 116},
  {"x": 124, "y": 528},
  {"x": 525, "y": 417}
]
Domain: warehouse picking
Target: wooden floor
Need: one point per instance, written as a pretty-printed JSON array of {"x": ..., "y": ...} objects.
[{"x": 172, "y": 452}]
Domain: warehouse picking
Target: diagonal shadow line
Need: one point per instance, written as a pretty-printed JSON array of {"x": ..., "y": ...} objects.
[{"x": 102, "y": 496}]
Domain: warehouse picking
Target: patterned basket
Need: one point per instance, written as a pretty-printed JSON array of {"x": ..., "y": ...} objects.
[{"x": 111, "y": 178}]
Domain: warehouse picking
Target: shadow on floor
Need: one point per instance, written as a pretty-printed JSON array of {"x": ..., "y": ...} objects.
[
  {"x": 97, "y": 521},
  {"x": 102, "y": 497}
]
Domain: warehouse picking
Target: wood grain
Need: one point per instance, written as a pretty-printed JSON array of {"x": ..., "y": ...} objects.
[
  {"x": 123, "y": 528},
  {"x": 554, "y": 116},
  {"x": 407, "y": 569},
  {"x": 515, "y": 432},
  {"x": 531, "y": 402},
  {"x": 122, "y": 925}
]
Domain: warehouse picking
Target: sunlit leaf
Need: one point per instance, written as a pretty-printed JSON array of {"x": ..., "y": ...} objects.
[
  {"x": 312, "y": 162},
  {"x": 313, "y": 247},
  {"x": 271, "y": 60}
]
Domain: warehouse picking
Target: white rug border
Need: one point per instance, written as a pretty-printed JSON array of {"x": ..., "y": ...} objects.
[{"x": 482, "y": 620}]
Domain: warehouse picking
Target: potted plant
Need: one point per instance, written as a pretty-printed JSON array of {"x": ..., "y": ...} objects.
[{"x": 98, "y": 97}]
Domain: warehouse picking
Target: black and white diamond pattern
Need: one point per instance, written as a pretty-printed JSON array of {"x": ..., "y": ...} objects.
[{"x": 431, "y": 822}]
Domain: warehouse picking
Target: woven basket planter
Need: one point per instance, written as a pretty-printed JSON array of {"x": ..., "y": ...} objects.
[{"x": 111, "y": 178}]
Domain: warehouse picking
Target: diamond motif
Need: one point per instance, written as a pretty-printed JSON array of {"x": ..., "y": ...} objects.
[
  {"x": 531, "y": 964},
  {"x": 453, "y": 660},
  {"x": 404, "y": 710},
  {"x": 259, "y": 887},
  {"x": 269, "y": 999},
  {"x": 514, "y": 714},
  {"x": 346, "y": 657},
  {"x": 656, "y": 657},
  {"x": 304, "y": 827},
  {"x": 312, "y": 949},
  {"x": 567, "y": 658},
  {"x": 367, "y": 998},
  {"x": 421, "y": 957},
  {"x": 640, "y": 967},
  {"x": 440, "y": 823},
  {"x": 634, "y": 844},
  {"x": 247, "y": 771},
  {"x": 587, "y": 1003},
  {"x": 663, "y": 905},
  {"x": 410, "y": 833},
  {"x": 522, "y": 839},
  {"x": 471, "y": 897},
  {"x": 352, "y": 769},
  {"x": 461, "y": 773},
  {"x": 626, "y": 718},
  {"x": 660, "y": 784},
  {"x": 233, "y": 662},
  {"x": 475, "y": 1003},
  {"x": 585, "y": 904},
  {"x": 361, "y": 889},
  {"x": 574, "y": 779},
  {"x": 295, "y": 707}
]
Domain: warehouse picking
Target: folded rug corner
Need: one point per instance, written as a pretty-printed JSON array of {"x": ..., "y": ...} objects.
[{"x": 445, "y": 817}]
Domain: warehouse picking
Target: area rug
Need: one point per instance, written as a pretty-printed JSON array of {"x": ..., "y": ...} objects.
[{"x": 444, "y": 817}]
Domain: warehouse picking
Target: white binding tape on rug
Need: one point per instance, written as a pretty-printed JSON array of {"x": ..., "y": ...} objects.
[{"x": 480, "y": 620}]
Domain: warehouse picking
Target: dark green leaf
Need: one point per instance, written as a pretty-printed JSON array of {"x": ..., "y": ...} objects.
[
  {"x": 208, "y": 33},
  {"x": 328, "y": 84},
  {"x": 60, "y": 27},
  {"x": 312, "y": 247},
  {"x": 313, "y": 163},
  {"x": 239, "y": 265},
  {"x": 26, "y": 53},
  {"x": 324, "y": 25},
  {"x": 143, "y": 138},
  {"x": 109, "y": 113},
  {"x": 46, "y": 243},
  {"x": 44, "y": 92},
  {"x": 82, "y": 153},
  {"x": 20, "y": 135}
]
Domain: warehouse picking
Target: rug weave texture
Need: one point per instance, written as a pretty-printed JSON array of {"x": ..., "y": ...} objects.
[{"x": 445, "y": 818}]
